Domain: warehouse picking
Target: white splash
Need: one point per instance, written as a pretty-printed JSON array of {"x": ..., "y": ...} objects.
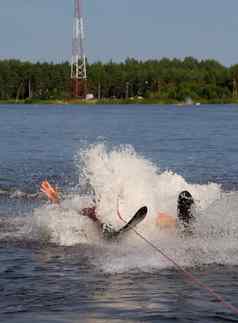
[{"x": 121, "y": 176}]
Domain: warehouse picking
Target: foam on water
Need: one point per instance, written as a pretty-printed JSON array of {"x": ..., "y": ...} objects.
[{"x": 121, "y": 176}]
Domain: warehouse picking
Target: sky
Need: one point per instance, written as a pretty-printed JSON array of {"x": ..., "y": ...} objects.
[{"x": 41, "y": 30}]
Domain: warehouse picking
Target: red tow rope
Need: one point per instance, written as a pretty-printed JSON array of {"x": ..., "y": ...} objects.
[{"x": 186, "y": 273}]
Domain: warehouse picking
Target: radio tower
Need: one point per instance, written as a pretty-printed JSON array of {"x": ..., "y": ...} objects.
[{"x": 78, "y": 63}]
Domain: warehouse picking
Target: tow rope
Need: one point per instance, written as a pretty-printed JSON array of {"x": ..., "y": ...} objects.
[{"x": 186, "y": 273}]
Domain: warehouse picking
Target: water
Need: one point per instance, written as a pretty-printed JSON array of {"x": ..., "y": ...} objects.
[{"x": 55, "y": 266}]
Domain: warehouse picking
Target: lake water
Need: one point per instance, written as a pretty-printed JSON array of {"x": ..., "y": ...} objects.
[{"x": 55, "y": 266}]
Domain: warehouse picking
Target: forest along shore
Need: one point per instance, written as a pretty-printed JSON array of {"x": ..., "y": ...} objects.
[{"x": 165, "y": 81}]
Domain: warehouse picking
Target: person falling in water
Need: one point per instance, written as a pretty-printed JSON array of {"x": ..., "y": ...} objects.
[
  {"x": 185, "y": 214},
  {"x": 107, "y": 230}
]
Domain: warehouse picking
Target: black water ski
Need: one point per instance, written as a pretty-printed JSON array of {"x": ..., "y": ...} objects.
[
  {"x": 136, "y": 219},
  {"x": 111, "y": 234}
]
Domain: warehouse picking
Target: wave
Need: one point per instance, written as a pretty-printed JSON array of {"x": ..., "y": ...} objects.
[{"x": 18, "y": 194}]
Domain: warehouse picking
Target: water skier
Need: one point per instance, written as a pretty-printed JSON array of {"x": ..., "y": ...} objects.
[
  {"x": 107, "y": 231},
  {"x": 185, "y": 215}
]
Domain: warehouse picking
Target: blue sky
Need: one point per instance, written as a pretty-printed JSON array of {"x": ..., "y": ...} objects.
[{"x": 117, "y": 29}]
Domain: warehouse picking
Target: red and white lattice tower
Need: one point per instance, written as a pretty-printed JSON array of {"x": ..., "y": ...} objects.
[{"x": 78, "y": 62}]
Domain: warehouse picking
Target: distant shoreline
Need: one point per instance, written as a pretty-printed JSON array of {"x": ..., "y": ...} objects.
[
  {"x": 165, "y": 81},
  {"x": 116, "y": 101}
]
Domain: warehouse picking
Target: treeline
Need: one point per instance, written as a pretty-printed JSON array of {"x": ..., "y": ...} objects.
[{"x": 163, "y": 79}]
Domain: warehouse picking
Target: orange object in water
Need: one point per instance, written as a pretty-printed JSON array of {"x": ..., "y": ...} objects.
[
  {"x": 166, "y": 221},
  {"x": 50, "y": 192}
]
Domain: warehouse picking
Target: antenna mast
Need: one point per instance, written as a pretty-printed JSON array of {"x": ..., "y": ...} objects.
[{"x": 78, "y": 62}]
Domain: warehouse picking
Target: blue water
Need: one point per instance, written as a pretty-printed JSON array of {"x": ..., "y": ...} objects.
[{"x": 62, "y": 282}]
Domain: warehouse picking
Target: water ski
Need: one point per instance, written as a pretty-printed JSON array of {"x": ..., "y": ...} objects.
[{"x": 110, "y": 234}]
